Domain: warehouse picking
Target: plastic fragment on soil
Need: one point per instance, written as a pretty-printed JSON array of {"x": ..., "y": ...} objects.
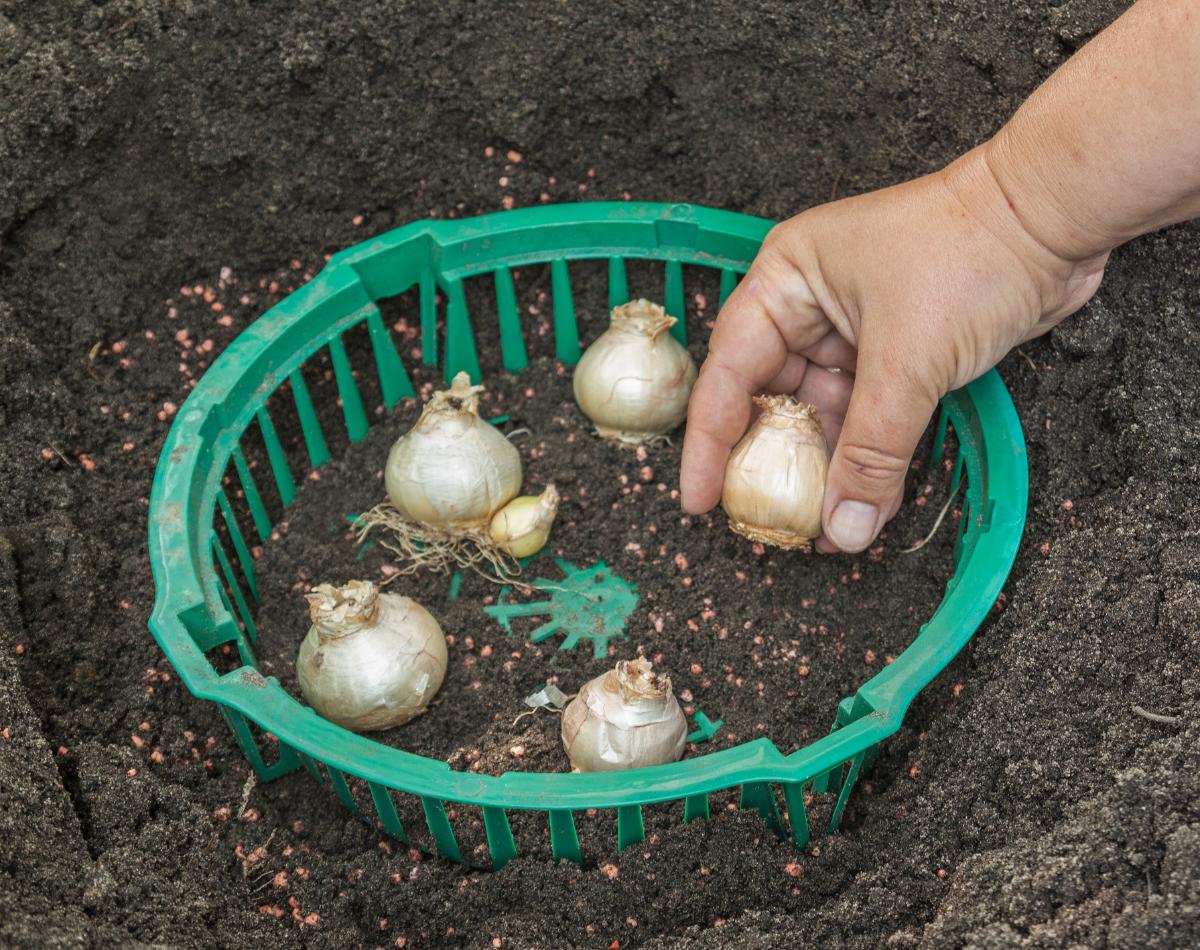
[
  {"x": 546, "y": 697},
  {"x": 705, "y": 727}
]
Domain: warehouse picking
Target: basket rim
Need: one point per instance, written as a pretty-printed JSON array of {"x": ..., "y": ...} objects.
[{"x": 186, "y": 483}]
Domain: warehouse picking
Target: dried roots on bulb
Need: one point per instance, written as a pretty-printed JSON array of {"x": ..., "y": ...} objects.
[
  {"x": 424, "y": 548},
  {"x": 446, "y": 478},
  {"x": 371, "y": 660},
  {"x": 775, "y": 477},
  {"x": 625, "y": 718},
  {"x": 634, "y": 381}
]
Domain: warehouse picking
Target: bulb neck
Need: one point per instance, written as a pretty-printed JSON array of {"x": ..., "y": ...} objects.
[
  {"x": 547, "y": 506},
  {"x": 643, "y": 318},
  {"x": 786, "y": 412},
  {"x": 340, "y": 611},
  {"x": 460, "y": 399},
  {"x": 328, "y": 631},
  {"x": 637, "y": 680}
]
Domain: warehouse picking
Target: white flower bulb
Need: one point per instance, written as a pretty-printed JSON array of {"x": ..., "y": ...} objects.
[
  {"x": 370, "y": 660},
  {"x": 522, "y": 527},
  {"x": 624, "y": 719},
  {"x": 775, "y": 477},
  {"x": 635, "y": 379},
  {"x": 452, "y": 470}
]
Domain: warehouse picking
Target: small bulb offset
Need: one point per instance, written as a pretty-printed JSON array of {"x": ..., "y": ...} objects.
[
  {"x": 451, "y": 470},
  {"x": 635, "y": 380},
  {"x": 370, "y": 660},
  {"x": 624, "y": 719},
  {"x": 522, "y": 527},
  {"x": 775, "y": 477}
]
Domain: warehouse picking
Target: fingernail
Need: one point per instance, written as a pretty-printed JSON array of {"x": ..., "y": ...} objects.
[{"x": 852, "y": 526}]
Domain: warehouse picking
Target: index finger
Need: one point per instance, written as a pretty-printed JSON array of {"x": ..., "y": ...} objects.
[{"x": 720, "y": 407}]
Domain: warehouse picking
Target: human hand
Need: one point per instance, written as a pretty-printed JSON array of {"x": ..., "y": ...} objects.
[{"x": 872, "y": 308}]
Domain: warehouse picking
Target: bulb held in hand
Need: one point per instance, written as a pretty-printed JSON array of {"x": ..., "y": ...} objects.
[{"x": 775, "y": 477}]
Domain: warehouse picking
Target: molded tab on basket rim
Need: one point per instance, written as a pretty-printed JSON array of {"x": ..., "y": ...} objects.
[{"x": 672, "y": 232}]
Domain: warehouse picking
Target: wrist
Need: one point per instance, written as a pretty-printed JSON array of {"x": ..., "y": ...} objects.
[
  {"x": 1033, "y": 171},
  {"x": 1061, "y": 261}
]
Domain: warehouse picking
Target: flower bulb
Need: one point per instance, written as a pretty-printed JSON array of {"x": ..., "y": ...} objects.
[
  {"x": 522, "y": 527},
  {"x": 624, "y": 719},
  {"x": 370, "y": 660},
  {"x": 635, "y": 379},
  {"x": 775, "y": 477},
  {"x": 452, "y": 470}
]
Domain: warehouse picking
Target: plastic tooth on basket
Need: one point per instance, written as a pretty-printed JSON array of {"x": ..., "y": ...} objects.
[{"x": 204, "y": 571}]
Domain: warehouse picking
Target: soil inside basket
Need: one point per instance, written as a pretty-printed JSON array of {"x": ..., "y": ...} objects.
[{"x": 766, "y": 641}]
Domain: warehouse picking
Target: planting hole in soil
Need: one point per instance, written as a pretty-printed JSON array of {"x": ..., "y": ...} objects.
[{"x": 169, "y": 173}]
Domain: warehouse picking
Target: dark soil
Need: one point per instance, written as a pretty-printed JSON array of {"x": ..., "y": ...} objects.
[{"x": 144, "y": 146}]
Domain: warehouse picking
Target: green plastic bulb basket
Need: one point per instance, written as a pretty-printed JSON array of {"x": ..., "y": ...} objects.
[{"x": 204, "y": 574}]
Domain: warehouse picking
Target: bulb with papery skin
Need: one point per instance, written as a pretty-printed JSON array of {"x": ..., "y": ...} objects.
[
  {"x": 775, "y": 477},
  {"x": 635, "y": 379},
  {"x": 452, "y": 470},
  {"x": 370, "y": 660},
  {"x": 522, "y": 527},
  {"x": 624, "y": 719}
]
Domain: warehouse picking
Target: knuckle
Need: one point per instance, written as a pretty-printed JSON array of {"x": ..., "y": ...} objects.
[
  {"x": 872, "y": 467},
  {"x": 732, "y": 370},
  {"x": 777, "y": 233},
  {"x": 781, "y": 242}
]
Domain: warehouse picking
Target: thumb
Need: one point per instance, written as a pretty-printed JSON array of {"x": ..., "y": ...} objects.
[{"x": 890, "y": 406}]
